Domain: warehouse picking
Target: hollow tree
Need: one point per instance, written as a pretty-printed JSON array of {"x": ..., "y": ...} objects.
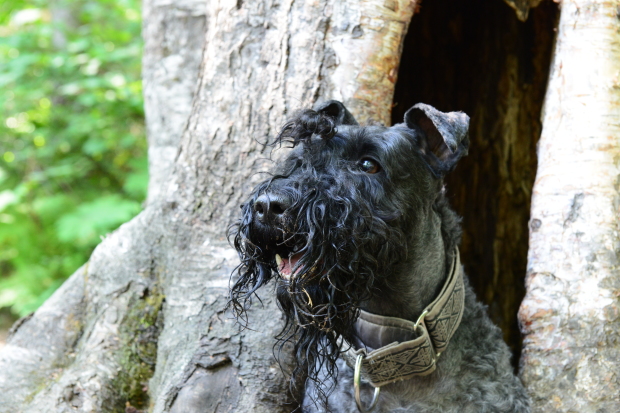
[{"x": 142, "y": 324}]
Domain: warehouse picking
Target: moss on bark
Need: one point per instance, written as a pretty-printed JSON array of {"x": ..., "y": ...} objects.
[{"x": 138, "y": 336}]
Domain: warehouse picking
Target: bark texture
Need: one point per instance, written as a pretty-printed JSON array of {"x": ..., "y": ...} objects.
[
  {"x": 142, "y": 324},
  {"x": 570, "y": 315},
  {"x": 174, "y": 39}
]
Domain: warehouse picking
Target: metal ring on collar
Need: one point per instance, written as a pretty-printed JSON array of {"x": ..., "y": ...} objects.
[
  {"x": 356, "y": 383},
  {"x": 420, "y": 319}
]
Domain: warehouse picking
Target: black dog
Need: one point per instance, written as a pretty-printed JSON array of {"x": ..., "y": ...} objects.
[{"x": 355, "y": 227}]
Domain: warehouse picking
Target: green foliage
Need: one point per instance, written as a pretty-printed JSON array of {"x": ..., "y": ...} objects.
[{"x": 72, "y": 146}]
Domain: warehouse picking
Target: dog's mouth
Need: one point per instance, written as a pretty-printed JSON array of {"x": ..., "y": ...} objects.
[{"x": 288, "y": 267}]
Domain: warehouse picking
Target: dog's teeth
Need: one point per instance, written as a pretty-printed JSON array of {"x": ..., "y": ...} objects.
[
  {"x": 280, "y": 264},
  {"x": 278, "y": 261}
]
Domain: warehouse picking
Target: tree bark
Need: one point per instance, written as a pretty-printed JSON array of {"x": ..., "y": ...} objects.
[
  {"x": 570, "y": 315},
  {"x": 142, "y": 324}
]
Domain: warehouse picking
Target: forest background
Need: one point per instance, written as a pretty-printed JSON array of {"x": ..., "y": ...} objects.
[{"x": 73, "y": 163}]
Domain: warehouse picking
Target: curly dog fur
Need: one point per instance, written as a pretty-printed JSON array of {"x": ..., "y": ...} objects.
[{"x": 354, "y": 218}]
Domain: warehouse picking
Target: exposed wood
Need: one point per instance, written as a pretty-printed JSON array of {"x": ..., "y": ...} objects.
[{"x": 570, "y": 315}]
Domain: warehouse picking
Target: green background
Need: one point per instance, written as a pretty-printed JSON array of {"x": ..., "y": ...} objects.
[{"x": 73, "y": 161}]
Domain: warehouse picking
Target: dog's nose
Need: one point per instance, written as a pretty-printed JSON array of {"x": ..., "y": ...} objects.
[{"x": 270, "y": 207}]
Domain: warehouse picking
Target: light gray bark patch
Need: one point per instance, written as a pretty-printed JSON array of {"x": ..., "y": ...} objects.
[
  {"x": 174, "y": 39},
  {"x": 209, "y": 390},
  {"x": 611, "y": 314},
  {"x": 16, "y": 326},
  {"x": 41, "y": 345},
  {"x": 214, "y": 362}
]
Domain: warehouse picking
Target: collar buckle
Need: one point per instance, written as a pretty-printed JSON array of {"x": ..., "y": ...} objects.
[{"x": 356, "y": 383}]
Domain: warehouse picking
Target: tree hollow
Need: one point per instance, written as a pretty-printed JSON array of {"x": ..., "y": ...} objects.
[{"x": 477, "y": 57}]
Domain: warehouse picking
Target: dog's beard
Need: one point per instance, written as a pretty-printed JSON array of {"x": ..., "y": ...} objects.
[
  {"x": 317, "y": 316},
  {"x": 331, "y": 265}
]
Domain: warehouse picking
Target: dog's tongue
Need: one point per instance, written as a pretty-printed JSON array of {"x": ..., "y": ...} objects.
[{"x": 286, "y": 265}]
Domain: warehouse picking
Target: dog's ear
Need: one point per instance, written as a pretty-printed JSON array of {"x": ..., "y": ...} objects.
[
  {"x": 336, "y": 110},
  {"x": 444, "y": 137}
]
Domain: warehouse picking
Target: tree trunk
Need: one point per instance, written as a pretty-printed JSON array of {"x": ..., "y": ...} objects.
[
  {"x": 142, "y": 324},
  {"x": 570, "y": 315}
]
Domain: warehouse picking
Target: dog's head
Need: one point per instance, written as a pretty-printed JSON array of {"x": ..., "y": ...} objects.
[{"x": 335, "y": 219}]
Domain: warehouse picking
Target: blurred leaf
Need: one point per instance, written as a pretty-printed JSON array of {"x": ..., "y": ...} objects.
[
  {"x": 7, "y": 198},
  {"x": 137, "y": 183},
  {"x": 91, "y": 220},
  {"x": 49, "y": 208}
]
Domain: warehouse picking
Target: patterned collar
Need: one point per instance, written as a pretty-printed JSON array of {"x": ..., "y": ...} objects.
[{"x": 413, "y": 348}]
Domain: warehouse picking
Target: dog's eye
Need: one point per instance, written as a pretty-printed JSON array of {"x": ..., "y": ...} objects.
[{"x": 369, "y": 166}]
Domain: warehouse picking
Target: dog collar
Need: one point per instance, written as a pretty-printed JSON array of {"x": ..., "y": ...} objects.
[{"x": 415, "y": 346}]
